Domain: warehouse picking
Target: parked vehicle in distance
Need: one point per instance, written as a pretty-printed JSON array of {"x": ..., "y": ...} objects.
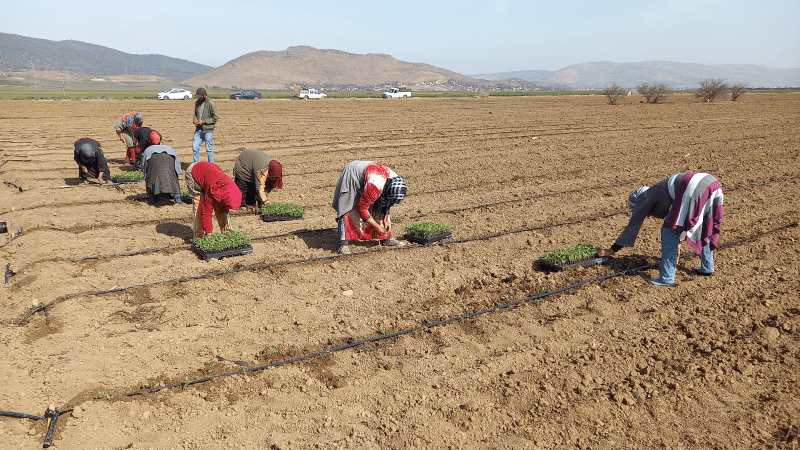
[
  {"x": 306, "y": 93},
  {"x": 398, "y": 92},
  {"x": 245, "y": 95},
  {"x": 174, "y": 94}
]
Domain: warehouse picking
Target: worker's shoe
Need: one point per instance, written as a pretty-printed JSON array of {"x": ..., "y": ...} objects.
[
  {"x": 344, "y": 249},
  {"x": 658, "y": 282},
  {"x": 701, "y": 272},
  {"x": 392, "y": 242}
]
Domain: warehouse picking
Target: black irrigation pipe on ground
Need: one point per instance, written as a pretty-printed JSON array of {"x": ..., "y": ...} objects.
[
  {"x": 436, "y": 324},
  {"x": 16, "y": 235},
  {"x": 42, "y": 307},
  {"x": 516, "y": 200},
  {"x": 51, "y": 416}
]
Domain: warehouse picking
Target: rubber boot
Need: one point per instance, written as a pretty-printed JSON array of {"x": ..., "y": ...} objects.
[{"x": 177, "y": 196}]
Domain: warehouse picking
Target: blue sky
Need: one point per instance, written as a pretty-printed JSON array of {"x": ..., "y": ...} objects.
[{"x": 467, "y": 36}]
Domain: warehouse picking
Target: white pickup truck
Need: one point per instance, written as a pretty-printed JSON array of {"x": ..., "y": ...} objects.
[
  {"x": 307, "y": 93},
  {"x": 399, "y": 92}
]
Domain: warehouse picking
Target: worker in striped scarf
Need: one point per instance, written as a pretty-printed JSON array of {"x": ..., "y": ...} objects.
[
  {"x": 691, "y": 206},
  {"x": 365, "y": 192}
]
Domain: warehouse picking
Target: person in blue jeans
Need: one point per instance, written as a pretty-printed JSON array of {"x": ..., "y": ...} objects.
[
  {"x": 205, "y": 118},
  {"x": 691, "y": 206}
]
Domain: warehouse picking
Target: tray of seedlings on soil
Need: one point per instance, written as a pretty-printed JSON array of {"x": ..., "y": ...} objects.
[
  {"x": 426, "y": 233},
  {"x": 186, "y": 197},
  {"x": 133, "y": 176},
  {"x": 582, "y": 255},
  {"x": 222, "y": 245},
  {"x": 281, "y": 211}
]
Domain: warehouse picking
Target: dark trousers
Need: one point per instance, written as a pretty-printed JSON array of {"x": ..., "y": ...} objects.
[{"x": 249, "y": 192}]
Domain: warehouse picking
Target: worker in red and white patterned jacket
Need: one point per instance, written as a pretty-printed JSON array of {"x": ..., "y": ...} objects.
[
  {"x": 213, "y": 192},
  {"x": 125, "y": 129},
  {"x": 365, "y": 192}
]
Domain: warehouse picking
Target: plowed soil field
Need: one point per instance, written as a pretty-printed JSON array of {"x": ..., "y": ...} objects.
[{"x": 614, "y": 363}]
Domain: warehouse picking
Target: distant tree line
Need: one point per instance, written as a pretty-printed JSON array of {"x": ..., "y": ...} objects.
[{"x": 708, "y": 90}]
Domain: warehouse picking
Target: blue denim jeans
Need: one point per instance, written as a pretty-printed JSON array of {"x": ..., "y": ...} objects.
[
  {"x": 199, "y": 137},
  {"x": 669, "y": 256}
]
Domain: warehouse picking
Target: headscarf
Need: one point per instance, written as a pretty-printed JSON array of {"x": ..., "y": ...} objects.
[
  {"x": 86, "y": 148},
  {"x": 276, "y": 170},
  {"x": 394, "y": 191},
  {"x": 155, "y": 137},
  {"x": 635, "y": 196},
  {"x": 232, "y": 197},
  {"x": 138, "y": 118},
  {"x": 128, "y": 120}
]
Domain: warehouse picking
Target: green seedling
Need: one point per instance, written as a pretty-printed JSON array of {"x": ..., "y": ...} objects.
[
  {"x": 208, "y": 369},
  {"x": 221, "y": 241},
  {"x": 283, "y": 209},
  {"x": 105, "y": 394},
  {"x": 186, "y": 383},
  {"x": 382, "y": 331},
  {"x": 427, "y": 229},
  {"x": 332, "y": 340},
  {"x": 366, "y": 349},
  {"x": 272, "y": 349},
  {"x": 570, "y": 255},
  {"x": 131, "y": 175},
  {"x": 504, "y": 298}
]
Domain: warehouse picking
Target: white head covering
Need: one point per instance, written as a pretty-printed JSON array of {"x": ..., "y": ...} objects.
[{"x": 635, "y": 196}]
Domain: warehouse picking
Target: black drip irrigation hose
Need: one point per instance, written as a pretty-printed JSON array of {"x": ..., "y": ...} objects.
[
  {"x": 9, "y": 183},
  {"x": 40, "y": 307},
  {"x": 17, "y": 415},
  {"x": 516, "y": 200},
  {"x": 9, "y": 273},
  {"x": 441, "y": 322},
  {"x": 286, "y": 263},
  {"x": 51, "y": 416},
  {"x": 16, "y": 235}
]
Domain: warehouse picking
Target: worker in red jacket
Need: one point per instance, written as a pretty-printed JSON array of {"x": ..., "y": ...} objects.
[{"x": 213, "y": 192}]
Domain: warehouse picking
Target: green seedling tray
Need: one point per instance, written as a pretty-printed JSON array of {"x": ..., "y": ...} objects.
[
  {"x": 423, "y": 239},
  {"x": 279, "y": 217},
  {"x": 219, "y": 254}
]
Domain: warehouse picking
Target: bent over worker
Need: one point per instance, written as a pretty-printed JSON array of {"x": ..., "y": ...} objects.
[
  {"x": 142, "y": 135},
  {"x": 691, "y": 206},
  {"x": 212, "y": 192},
  {"x": 365, "y": 192},
  {"x": 91, "y": 161},
  {"x": 161, "y": 168},
  {"x": 125, "y": 129},
  {"x": 256, "y": 175}
]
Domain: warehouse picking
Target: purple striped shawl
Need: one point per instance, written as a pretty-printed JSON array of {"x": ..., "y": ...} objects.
[{"x": 697, "y": 209}]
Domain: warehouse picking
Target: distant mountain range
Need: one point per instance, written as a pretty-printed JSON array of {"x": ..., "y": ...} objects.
[
  {"x": 20, "y": 53},
  {"x": 597, "y": 75},
  {"x": 338, "y": 70}
]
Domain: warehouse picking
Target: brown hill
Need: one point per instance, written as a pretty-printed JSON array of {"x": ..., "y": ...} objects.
[{"x": 308, "y": 66}]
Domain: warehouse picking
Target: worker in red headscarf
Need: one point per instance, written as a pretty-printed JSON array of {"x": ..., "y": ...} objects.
[
  {"x": 213, "y": 192},
  {"x": 142, "y": 135},
  {"x": 256, "y": 175}
]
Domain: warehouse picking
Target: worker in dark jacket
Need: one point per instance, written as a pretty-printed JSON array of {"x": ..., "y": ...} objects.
[
  {"x": 205, "y": 119},
  {"x": 142, "y": 136},
  {"x": 256, "y": 175},
  {"x": 91, "y": 161}
]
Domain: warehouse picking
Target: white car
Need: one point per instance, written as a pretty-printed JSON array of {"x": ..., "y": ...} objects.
[
  {"x": 306, "y": 93},
  {"x": 174, "y": 94}
]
